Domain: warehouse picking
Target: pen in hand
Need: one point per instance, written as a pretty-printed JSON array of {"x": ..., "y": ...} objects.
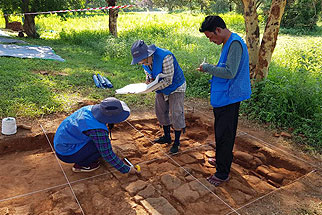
[{"x": 200, "y": 66}]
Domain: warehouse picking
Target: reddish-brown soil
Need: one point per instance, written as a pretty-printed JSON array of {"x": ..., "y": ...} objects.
[{"x": 267, "y": 177}]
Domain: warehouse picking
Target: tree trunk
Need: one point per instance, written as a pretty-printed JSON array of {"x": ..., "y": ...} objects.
[
  {"x": 6, "y": 18},
  {"x": 269, "y": 38},
  {"x": 29, "y": 22},
  {"x": 252, "y": 33},
  {"x": 30, "y": 27},
  {"x": 113, "y": 14}
]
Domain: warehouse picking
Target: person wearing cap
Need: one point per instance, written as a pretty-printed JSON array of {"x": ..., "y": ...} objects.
[
  {"x": 230, "y": 84},
  {"x": 170, "y": 94},
  {"x": 83, "y": 137}
]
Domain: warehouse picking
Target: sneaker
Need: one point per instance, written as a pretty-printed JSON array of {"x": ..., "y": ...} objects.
[
  {"x": 216, "y": 181},
  {"x": 163, "y": 140},
  {"x": 90, "y": 168},
  {"x": 174, "y": 149}
]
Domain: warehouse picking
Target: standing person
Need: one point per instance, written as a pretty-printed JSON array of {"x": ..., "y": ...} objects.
[
  {"x": 83, "y": 137},
  {"x": 170, "y": 94},
  {"x": 230, "y": 84}
]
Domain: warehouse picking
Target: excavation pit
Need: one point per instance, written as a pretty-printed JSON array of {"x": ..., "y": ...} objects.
[{"x": 33, "y": 182}]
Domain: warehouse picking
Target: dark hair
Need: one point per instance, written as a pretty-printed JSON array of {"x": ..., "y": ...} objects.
[{"x": 211, "y": 23}]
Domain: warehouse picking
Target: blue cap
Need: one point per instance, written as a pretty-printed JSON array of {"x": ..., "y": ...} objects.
[{"x": 140, "y": 51}]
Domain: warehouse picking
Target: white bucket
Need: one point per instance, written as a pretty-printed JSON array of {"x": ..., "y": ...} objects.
[{"x": 9, "y": 126}]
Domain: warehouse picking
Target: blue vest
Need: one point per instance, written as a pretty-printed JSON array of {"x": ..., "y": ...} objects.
[
  {"x": 69, "y": 137},
  {"x": 228, "y": 91},
  {"x": 178, "y": 77}
]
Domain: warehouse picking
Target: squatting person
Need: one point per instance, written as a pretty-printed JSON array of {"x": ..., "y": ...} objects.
[{"x": 83, "y": 137}]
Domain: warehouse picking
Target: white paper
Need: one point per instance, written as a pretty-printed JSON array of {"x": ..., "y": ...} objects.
[{"x": 139, "y": 87}]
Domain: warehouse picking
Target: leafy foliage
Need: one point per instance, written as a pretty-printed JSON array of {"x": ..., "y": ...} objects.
[
  {"x": 289, "y": 98},
  {"x": 302, "y": 14}
]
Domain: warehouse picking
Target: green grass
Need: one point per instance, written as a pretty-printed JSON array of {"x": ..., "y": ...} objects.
[{"x": 289, "y": 98}]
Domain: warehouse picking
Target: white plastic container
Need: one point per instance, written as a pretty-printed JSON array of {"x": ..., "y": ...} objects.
[{"x": 9, "y": 126}]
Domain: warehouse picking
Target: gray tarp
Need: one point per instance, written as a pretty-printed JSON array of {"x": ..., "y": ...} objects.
[
  {"x": 43, "y": 52},
  {"x": 8, "y": 40}
]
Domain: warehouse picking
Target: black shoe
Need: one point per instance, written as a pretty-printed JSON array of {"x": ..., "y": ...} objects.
[
  {"x": 163, "y": 140},
  {"x": 174, "y": 149}
]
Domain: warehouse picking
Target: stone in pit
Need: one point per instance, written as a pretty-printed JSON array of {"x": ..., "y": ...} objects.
[
  {"x": 171, "y": 182},
  {"x": 185, "y": 195},
  {"x": 135, "y": 187},
  {"x": 159, "y": 206}
]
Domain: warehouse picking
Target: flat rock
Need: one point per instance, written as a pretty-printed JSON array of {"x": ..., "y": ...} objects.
[
  {"x": 252, "y": 179},
  {"x": 185, "y": 171},
  {"x": 159, "y": 206},
  {"x": 138, "y": 198},
  {"x": 196, "y": 186},
  {"x": 149, "y": 191},
  {"x": 276, "y": 177},
  {"x": 128, "y": 150},
  {"x": 198, "y": 156},
  {"x": 261, "y": 156},
  {"x": 185, "y": 194},
  {"x": 135, "y": 187},
  {"x": 138, "y": 126},
  {"x": 197, "y": 168},
  {"x": 263, "y": 170},
  {"x": 185, "y": 158},
  {"x": 210, "y": 154},
  {"x": 190, "y": 178},
  {"x": 4, "y": 211},
  {"x": 171, "y": 182},
  {"x": 243, "y": 156}
]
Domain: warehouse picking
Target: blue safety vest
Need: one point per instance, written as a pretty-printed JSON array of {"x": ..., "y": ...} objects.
[
  {"x": 69, "y": 137},
  {"x": 228, "y": 91},
  {"x": 178, "y": 77}
]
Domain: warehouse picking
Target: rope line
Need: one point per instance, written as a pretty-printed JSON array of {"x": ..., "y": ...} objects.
[
  {"x": 88, "y": 178},
  {"x": 166, "y": 155},
  {"x": 73, "y": 10},
  {"x": 70, "y": 186},
  {"x": 170, "y": 157},
  {"x": 271, "y": 145},
  {"x": 273, "y": 191}
]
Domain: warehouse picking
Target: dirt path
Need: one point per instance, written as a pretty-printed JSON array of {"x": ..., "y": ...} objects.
[{"x": 268, "y": 176}]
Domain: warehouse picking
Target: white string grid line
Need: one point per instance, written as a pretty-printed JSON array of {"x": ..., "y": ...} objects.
[
  {"x": 273, "y": 191},
  {"x": 70, "y": 186},
  {"x": 245, "y": 133},
  {"x": 95, "y": 176},
  {"x": 88, "y": 178},
  {"x": 91, "y": 177},
  {"x": 170, "y": 157},
  {"x": 268, "y": 144}
]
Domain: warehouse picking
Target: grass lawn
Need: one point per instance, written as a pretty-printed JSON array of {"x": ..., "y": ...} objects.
[{"x": 292, "y": 90}]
